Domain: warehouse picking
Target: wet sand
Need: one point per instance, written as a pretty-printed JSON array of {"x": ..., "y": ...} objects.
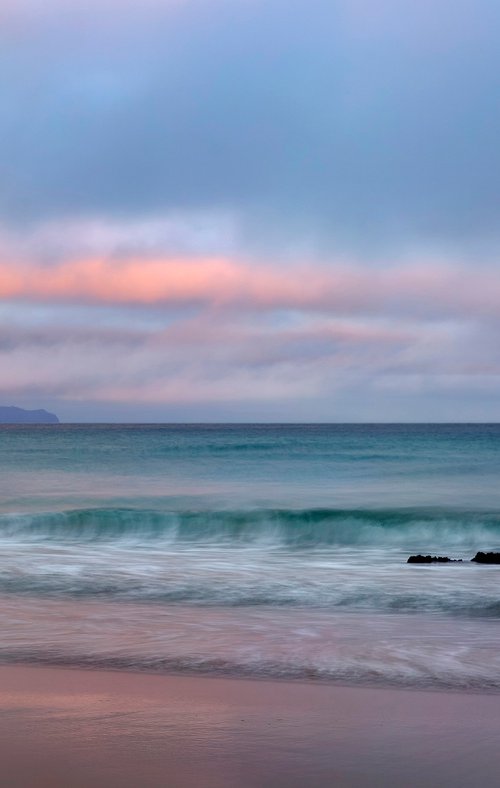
[{"x": 64, "y": 728}]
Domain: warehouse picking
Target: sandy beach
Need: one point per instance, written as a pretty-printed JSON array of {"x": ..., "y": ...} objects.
[{"x": 67, "y": 728}]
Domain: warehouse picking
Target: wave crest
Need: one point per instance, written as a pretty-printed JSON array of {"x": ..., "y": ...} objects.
[{"x": 304, "y": 528}]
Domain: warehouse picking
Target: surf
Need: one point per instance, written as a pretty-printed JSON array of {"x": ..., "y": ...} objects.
[{"x": 289, "y": 528}]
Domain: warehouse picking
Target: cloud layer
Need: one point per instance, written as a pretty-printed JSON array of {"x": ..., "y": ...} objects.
[
  {"x": 356, "y": 123},
  {"x": 430, "y": 288},
  {"x": 250, "y": 208}
]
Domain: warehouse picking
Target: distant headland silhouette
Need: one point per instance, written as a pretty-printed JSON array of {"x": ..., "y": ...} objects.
[{"x": 12, "y": 415}]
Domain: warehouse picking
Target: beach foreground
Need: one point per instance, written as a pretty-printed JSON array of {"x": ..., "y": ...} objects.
[{"x": 74, "y": 729}]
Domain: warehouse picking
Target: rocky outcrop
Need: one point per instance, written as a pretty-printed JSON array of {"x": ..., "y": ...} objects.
[
  {"x": 12, "y": 415},
  {"x": 479, "y": 558},
  {"x": 486, "y": 558},
  {"x": 433, "y": 559}
]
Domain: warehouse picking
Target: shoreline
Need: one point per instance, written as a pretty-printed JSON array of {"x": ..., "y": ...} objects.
[
  {"x": 76, "y": 727},
  {"x": 248, "y": 677}
]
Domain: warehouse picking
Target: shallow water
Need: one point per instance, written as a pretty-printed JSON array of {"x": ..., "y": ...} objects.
[{"x": 253, "y": 550}]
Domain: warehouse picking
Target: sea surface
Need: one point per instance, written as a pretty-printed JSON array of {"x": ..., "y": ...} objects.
[{"x": 253, "y": 550}]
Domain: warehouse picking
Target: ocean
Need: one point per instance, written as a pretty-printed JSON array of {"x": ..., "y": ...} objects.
[{"x": 253, "y": 550}]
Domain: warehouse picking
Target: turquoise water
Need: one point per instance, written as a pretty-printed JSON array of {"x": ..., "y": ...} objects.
[{"x": 253, "y": 550}]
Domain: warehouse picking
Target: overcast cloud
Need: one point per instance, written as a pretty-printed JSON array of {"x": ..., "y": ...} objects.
[{"x": 238, "y": 209}]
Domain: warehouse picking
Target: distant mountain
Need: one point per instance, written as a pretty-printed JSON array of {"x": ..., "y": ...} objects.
[{"x": 12, "y": 415}]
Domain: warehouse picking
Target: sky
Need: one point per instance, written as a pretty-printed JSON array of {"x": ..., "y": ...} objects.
[{"x": 250, "y": 210}]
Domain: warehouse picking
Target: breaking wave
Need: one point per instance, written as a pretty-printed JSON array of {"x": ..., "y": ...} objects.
[{"x": 293, "y": 528}]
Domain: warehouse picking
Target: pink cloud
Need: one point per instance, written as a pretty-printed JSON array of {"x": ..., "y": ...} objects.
[
  {"x": 149, "y": 282},
  {"x": 424, "y": 289}
]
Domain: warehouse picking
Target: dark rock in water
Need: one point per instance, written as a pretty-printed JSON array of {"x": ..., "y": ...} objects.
[
  {"x": 486, "y": 558},
  {"x": 433, "y": 559},
  {"x": 12, "y": 415}
]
